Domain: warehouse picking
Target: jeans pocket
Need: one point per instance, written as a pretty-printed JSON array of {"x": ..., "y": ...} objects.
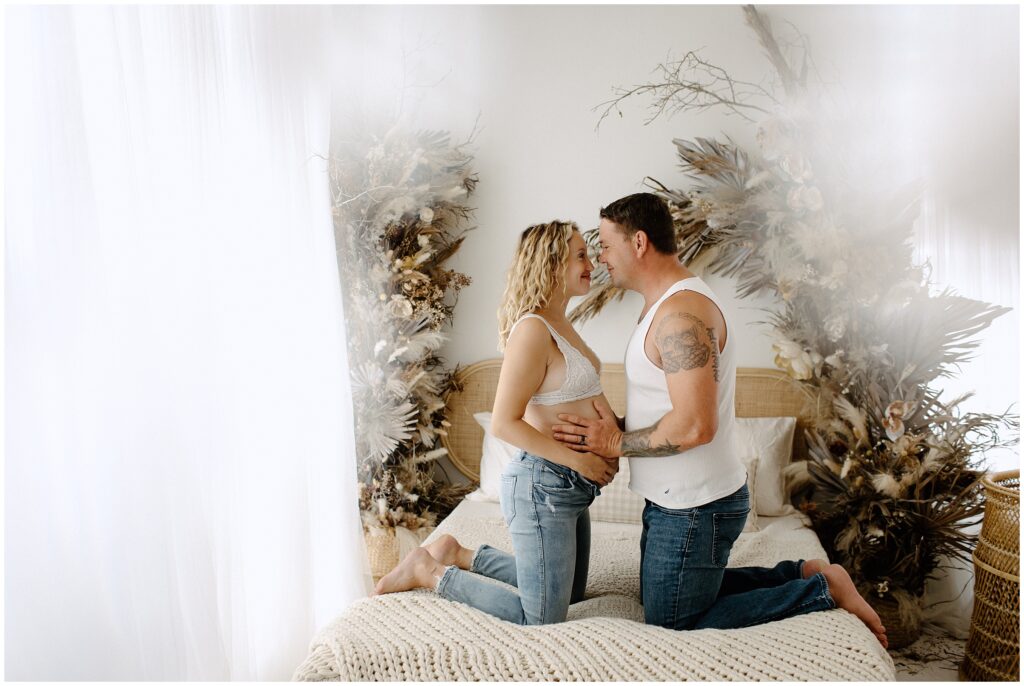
[
  {"x": 551, "y": 481},
  {"x": 728, "y": 526},
  {"x": 508, "y": 497}
]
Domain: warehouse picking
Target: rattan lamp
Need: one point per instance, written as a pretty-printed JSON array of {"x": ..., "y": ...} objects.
[{"x": 993, "y": 646}]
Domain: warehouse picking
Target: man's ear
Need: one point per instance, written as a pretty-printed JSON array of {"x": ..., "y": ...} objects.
[{"x": 640, "y": 243}]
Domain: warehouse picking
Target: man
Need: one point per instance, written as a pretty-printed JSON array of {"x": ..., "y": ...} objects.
[{"x": 679, "y": 435}]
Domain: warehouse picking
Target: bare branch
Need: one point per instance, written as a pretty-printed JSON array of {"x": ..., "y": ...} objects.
[{"x": 693, "y": 83}]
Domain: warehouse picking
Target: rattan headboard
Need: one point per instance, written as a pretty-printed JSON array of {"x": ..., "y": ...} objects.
[{"x": 759, "y": 393}]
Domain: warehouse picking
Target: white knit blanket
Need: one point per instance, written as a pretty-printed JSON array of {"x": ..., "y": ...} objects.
[{"x": 418, "y": 636}]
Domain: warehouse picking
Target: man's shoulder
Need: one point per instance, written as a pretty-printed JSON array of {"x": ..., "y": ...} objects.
[
  {"x": 685, "y": 302},
  {"x": 688, "y": 314}
]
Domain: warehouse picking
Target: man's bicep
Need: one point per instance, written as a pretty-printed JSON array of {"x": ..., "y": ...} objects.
[
  {"x": 690, "y": 360},
  {"x": 685, "y": 343},
  {"x": 693, "y": 393}
]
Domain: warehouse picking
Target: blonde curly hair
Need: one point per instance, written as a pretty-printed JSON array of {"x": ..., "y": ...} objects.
[{"x": 539, "y": 263}]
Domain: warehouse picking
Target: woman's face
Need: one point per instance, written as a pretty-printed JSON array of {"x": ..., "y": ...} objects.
[{"x": 577, "y": 271}]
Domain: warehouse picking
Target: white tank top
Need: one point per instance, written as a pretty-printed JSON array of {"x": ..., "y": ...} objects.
[{"x": 699, "y": 475}]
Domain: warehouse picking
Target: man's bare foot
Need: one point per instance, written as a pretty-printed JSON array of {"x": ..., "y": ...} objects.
[
  {"x": 845, "y": 593},
  {"x": 417, "y": 570},
  {"x": 447, "y": 550},
  {"x": 812, "y": 567}
]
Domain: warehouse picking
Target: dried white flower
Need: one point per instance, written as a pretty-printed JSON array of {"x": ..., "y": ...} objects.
[
  {"x": 835, "y": 327},
  {"x": 796, "y": 361},
  {"x": 836, "y": 277},
  {"x": 893, "y": 421},
  {"x": 399, "y": 306},
  {"x": 807, "y": 198},
  {"x": 796, "y": 167}
]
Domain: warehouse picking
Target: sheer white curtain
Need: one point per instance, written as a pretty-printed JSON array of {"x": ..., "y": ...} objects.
[
  {"x": 179, "y": 458},
  {"x": 974, "y": 249},
  {"x": 977, "y": 253}
]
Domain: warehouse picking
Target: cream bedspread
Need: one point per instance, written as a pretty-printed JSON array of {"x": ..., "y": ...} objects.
[{"x": 418, "y": 636}]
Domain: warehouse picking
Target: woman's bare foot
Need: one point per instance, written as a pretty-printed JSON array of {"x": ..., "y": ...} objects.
[
  {"x": 417, "y": 570},
  {"x": 447, "y": 550},
  {"x": 812, "y": 567},
  {"x": 845, "y": 593}
]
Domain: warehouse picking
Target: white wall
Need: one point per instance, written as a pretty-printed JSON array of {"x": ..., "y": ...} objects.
[{"x": 931, "y": 92}]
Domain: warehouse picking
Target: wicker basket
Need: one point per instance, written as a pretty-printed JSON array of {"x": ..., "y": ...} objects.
[
  {"x": 993, "y": 646},
  {"x": 899, "y": 630},
  {"x": 382, "y": 549},
  {"x": 385, "y": 548}
]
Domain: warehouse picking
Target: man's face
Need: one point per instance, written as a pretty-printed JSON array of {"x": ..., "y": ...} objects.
[{"x": 615, "y": 252}]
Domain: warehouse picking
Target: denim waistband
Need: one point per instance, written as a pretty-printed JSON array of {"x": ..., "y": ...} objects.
[{"x": 569, "y": 473}]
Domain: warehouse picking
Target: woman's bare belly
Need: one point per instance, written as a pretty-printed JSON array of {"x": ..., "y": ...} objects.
[{"x": 542, "y": 417}]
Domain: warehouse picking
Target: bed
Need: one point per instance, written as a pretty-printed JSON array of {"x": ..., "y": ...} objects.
[{"x": 418, "y": 636}]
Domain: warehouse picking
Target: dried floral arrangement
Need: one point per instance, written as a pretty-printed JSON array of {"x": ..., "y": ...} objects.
[
  {"x": 399, "y": 206},
  {"x": 892, "y": 479}
]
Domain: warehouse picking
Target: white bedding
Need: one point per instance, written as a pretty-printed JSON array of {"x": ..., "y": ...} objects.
[{"x": 418, "y": 636}]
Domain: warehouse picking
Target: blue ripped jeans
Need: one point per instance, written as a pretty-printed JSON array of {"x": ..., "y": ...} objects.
[
  {"x": 545, "y": 507},
  {"x": 684, "y": 581}
]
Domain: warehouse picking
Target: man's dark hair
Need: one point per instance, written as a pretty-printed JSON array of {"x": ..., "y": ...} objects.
[{"x": 644, "y": 212}]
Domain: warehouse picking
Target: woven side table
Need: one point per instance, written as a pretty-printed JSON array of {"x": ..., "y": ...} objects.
[{"x": 993, "y": 646}]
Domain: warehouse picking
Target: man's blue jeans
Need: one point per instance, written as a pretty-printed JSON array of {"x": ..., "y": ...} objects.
[
  {"x": 545, "y": 507},
  {"x": 684, "y": 581}
]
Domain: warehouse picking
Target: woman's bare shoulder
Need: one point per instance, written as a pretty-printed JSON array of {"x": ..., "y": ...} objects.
[{"x": 528, "y": 333}]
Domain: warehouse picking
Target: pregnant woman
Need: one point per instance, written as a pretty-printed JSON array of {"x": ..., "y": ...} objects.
[{"x": 545, "y": 492}]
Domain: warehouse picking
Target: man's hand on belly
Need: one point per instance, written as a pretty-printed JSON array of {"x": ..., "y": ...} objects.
[{"x": 600, "y": 436}]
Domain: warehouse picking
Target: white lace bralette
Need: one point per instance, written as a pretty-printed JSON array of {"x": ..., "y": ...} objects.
[{"x": 581, "y": 378}]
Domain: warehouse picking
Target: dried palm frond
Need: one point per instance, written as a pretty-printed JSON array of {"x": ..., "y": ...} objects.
[
  {"x": 594, "y": 302},
  {"x": 934, "y": 333},
  {"x": 792, "y": 83},
  {"x": 710, "y": 163}
]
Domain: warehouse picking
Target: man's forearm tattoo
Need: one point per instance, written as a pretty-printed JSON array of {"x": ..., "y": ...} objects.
[
  {"x": 638, "y": 444},
  {"x": 685, "y": 343}
]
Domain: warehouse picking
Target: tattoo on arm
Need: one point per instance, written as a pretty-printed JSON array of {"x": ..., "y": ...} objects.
[
  {"x": 714, "y": 351},
  {"x": 638, "y": 444},
  {"x": 685, "y": 343}
]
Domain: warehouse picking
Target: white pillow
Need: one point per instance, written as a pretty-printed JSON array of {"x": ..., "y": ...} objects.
[
  {"x": 770, "y": 441},
  {"x": 496, "y": 454},
  {"x": 617, "y": 503}
]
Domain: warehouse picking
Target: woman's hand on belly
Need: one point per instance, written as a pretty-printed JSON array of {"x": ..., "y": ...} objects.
[{"x": 597, "y": 469}]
